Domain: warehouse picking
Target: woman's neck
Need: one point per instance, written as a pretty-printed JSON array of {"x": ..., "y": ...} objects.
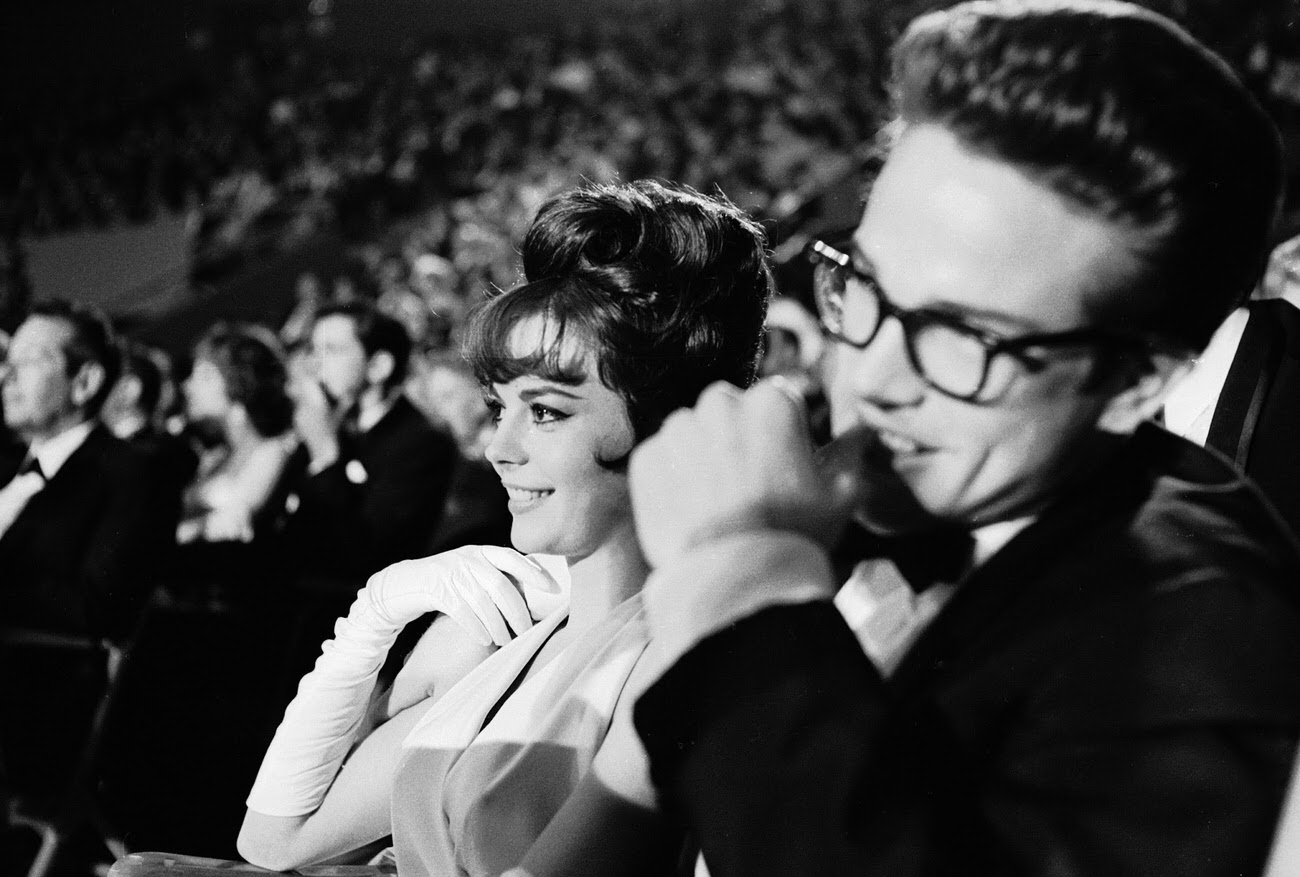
[
  {"x": 602, "y": 580},
  {"x": 241, "y": 437}
]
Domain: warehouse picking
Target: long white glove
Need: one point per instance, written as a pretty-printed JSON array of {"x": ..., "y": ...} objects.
[{"x": 478, "y": 586}]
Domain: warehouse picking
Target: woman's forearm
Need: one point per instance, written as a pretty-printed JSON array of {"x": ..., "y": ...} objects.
[{"x": 355, "y": 811}]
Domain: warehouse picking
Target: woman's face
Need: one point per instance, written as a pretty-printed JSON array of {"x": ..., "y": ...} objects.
[
  {"x": 547, "y": 446},
  {"x": 205, "y": 392}
]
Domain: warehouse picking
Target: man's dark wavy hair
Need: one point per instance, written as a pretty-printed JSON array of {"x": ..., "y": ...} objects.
[
  {"x": 1123, "y": 113},
  {"x": 666, "y": 286},
  {"x": 376, "y": 331}
]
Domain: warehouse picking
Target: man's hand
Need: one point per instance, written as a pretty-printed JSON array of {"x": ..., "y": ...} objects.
[
  {"x": 738, "y": 462},
  {"x": 315, "y": 422}
]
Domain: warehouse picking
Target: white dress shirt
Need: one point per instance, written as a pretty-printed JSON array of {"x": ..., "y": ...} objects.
[{"x": 50, "y": 455}]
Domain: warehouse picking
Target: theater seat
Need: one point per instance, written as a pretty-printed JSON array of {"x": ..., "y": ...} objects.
[{"x": 67, "y": 807}]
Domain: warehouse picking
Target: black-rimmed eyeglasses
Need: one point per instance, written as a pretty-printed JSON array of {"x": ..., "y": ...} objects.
[{"x": 955, "y": 358}]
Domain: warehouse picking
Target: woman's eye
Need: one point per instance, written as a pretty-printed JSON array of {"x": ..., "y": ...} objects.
[
  {"x": 493, "y": 407},
  {"x": 542, "y": 414}
]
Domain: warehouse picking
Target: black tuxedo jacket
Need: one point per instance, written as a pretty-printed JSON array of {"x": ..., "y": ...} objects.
[
  {"x": 1114, "y": 692},
  {"x": 1257, "y": 418},
  {"x": 377, "y": 504},
  {"x": 83, "y": 554}
]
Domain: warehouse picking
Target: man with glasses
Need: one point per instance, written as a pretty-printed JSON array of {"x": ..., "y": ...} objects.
[{"x": 1077, "y": 650}]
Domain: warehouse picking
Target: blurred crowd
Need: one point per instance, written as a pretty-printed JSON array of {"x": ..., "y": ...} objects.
[{"x": 293, "y": 136}]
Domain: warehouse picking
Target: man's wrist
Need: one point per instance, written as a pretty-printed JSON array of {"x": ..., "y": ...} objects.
[{"x": 718, "y": 582}]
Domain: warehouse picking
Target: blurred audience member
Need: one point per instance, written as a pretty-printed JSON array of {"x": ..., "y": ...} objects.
[
  {"x": 368, "y": 483},
  {"x": 79, "y": 511},
  {"x": 133, "y": 413},
  {"x": 81, "y": 528},
  {"x": 444, "y": 387},
  {"x": 236, "y": 393}
]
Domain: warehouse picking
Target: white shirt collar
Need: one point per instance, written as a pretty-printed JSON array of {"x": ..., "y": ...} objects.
[
  {"x": 1189, "y": 408},
  {"x": 367, "y": 417},
  {"x": 53, "y": 453},
  {"x": 990, "y": 538}
]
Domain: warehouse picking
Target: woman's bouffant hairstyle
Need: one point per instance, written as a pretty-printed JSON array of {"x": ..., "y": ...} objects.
[
  {"x": 252, "y": 364},
  {"x": 667, "y": 286},
  {"x": 1124, "y": 114}
]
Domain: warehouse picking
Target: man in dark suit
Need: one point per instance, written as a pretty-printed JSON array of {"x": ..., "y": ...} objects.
[
  {"x": 1079, "y": 654},
  {"x": 368, "y": 484},
  {"x": 131, "y": 413},
  {"x": 82, "y": 526},
  {"x": 80, "y": 512}
]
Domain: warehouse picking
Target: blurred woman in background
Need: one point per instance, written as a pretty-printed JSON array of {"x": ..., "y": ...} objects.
[{"x": 236, "y": 394}]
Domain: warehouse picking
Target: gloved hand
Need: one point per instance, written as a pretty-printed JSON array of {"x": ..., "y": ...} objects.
[
  {"x": 481, "y": 587},
  {"x": 473, "y": 585}
]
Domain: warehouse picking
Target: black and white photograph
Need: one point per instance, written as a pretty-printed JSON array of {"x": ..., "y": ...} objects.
[{"x": 650, "y": 438}]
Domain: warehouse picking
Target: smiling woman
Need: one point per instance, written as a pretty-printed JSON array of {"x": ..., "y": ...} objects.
[
  {"x": 560, "y": 449},
  {"x": 637, "y": 297}
]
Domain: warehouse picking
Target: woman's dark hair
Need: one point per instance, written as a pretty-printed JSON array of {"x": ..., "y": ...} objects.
[
  {"x": 252, "y": 364},
  {"x": 669, "y": 287},
  {"x": 1121, "y": 112}
]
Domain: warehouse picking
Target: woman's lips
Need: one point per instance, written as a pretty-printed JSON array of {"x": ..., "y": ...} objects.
[{"x": 522, "y": 498}]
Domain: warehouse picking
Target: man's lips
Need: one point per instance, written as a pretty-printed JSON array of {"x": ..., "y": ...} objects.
[{"x": 900, "y": 444}]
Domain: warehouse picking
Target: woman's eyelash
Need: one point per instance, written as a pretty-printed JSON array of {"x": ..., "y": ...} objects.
[
  {"x": 494, "y": 408},
  {"x": 545, "y": 414}
]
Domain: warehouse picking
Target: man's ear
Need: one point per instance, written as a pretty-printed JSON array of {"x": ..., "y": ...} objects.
[
  {"x": 379, "y": 368},
  {"x": 87, "y": 382},
  {"x": 1144, "y": 394}
]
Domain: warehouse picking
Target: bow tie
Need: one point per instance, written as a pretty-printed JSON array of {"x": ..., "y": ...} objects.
[{"x": 924, "y": 559}]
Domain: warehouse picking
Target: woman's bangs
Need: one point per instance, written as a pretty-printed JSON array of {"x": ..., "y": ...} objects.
[{"x": 488, "y": 347}]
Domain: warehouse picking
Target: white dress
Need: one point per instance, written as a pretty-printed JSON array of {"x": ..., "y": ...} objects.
[{"x": 474, "y": 788}]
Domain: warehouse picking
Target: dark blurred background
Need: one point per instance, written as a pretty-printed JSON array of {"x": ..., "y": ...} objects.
[{"x": 173, "y": 161}]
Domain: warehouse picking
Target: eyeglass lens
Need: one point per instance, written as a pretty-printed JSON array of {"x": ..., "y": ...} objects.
[{"x": 951, "y": 360}]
